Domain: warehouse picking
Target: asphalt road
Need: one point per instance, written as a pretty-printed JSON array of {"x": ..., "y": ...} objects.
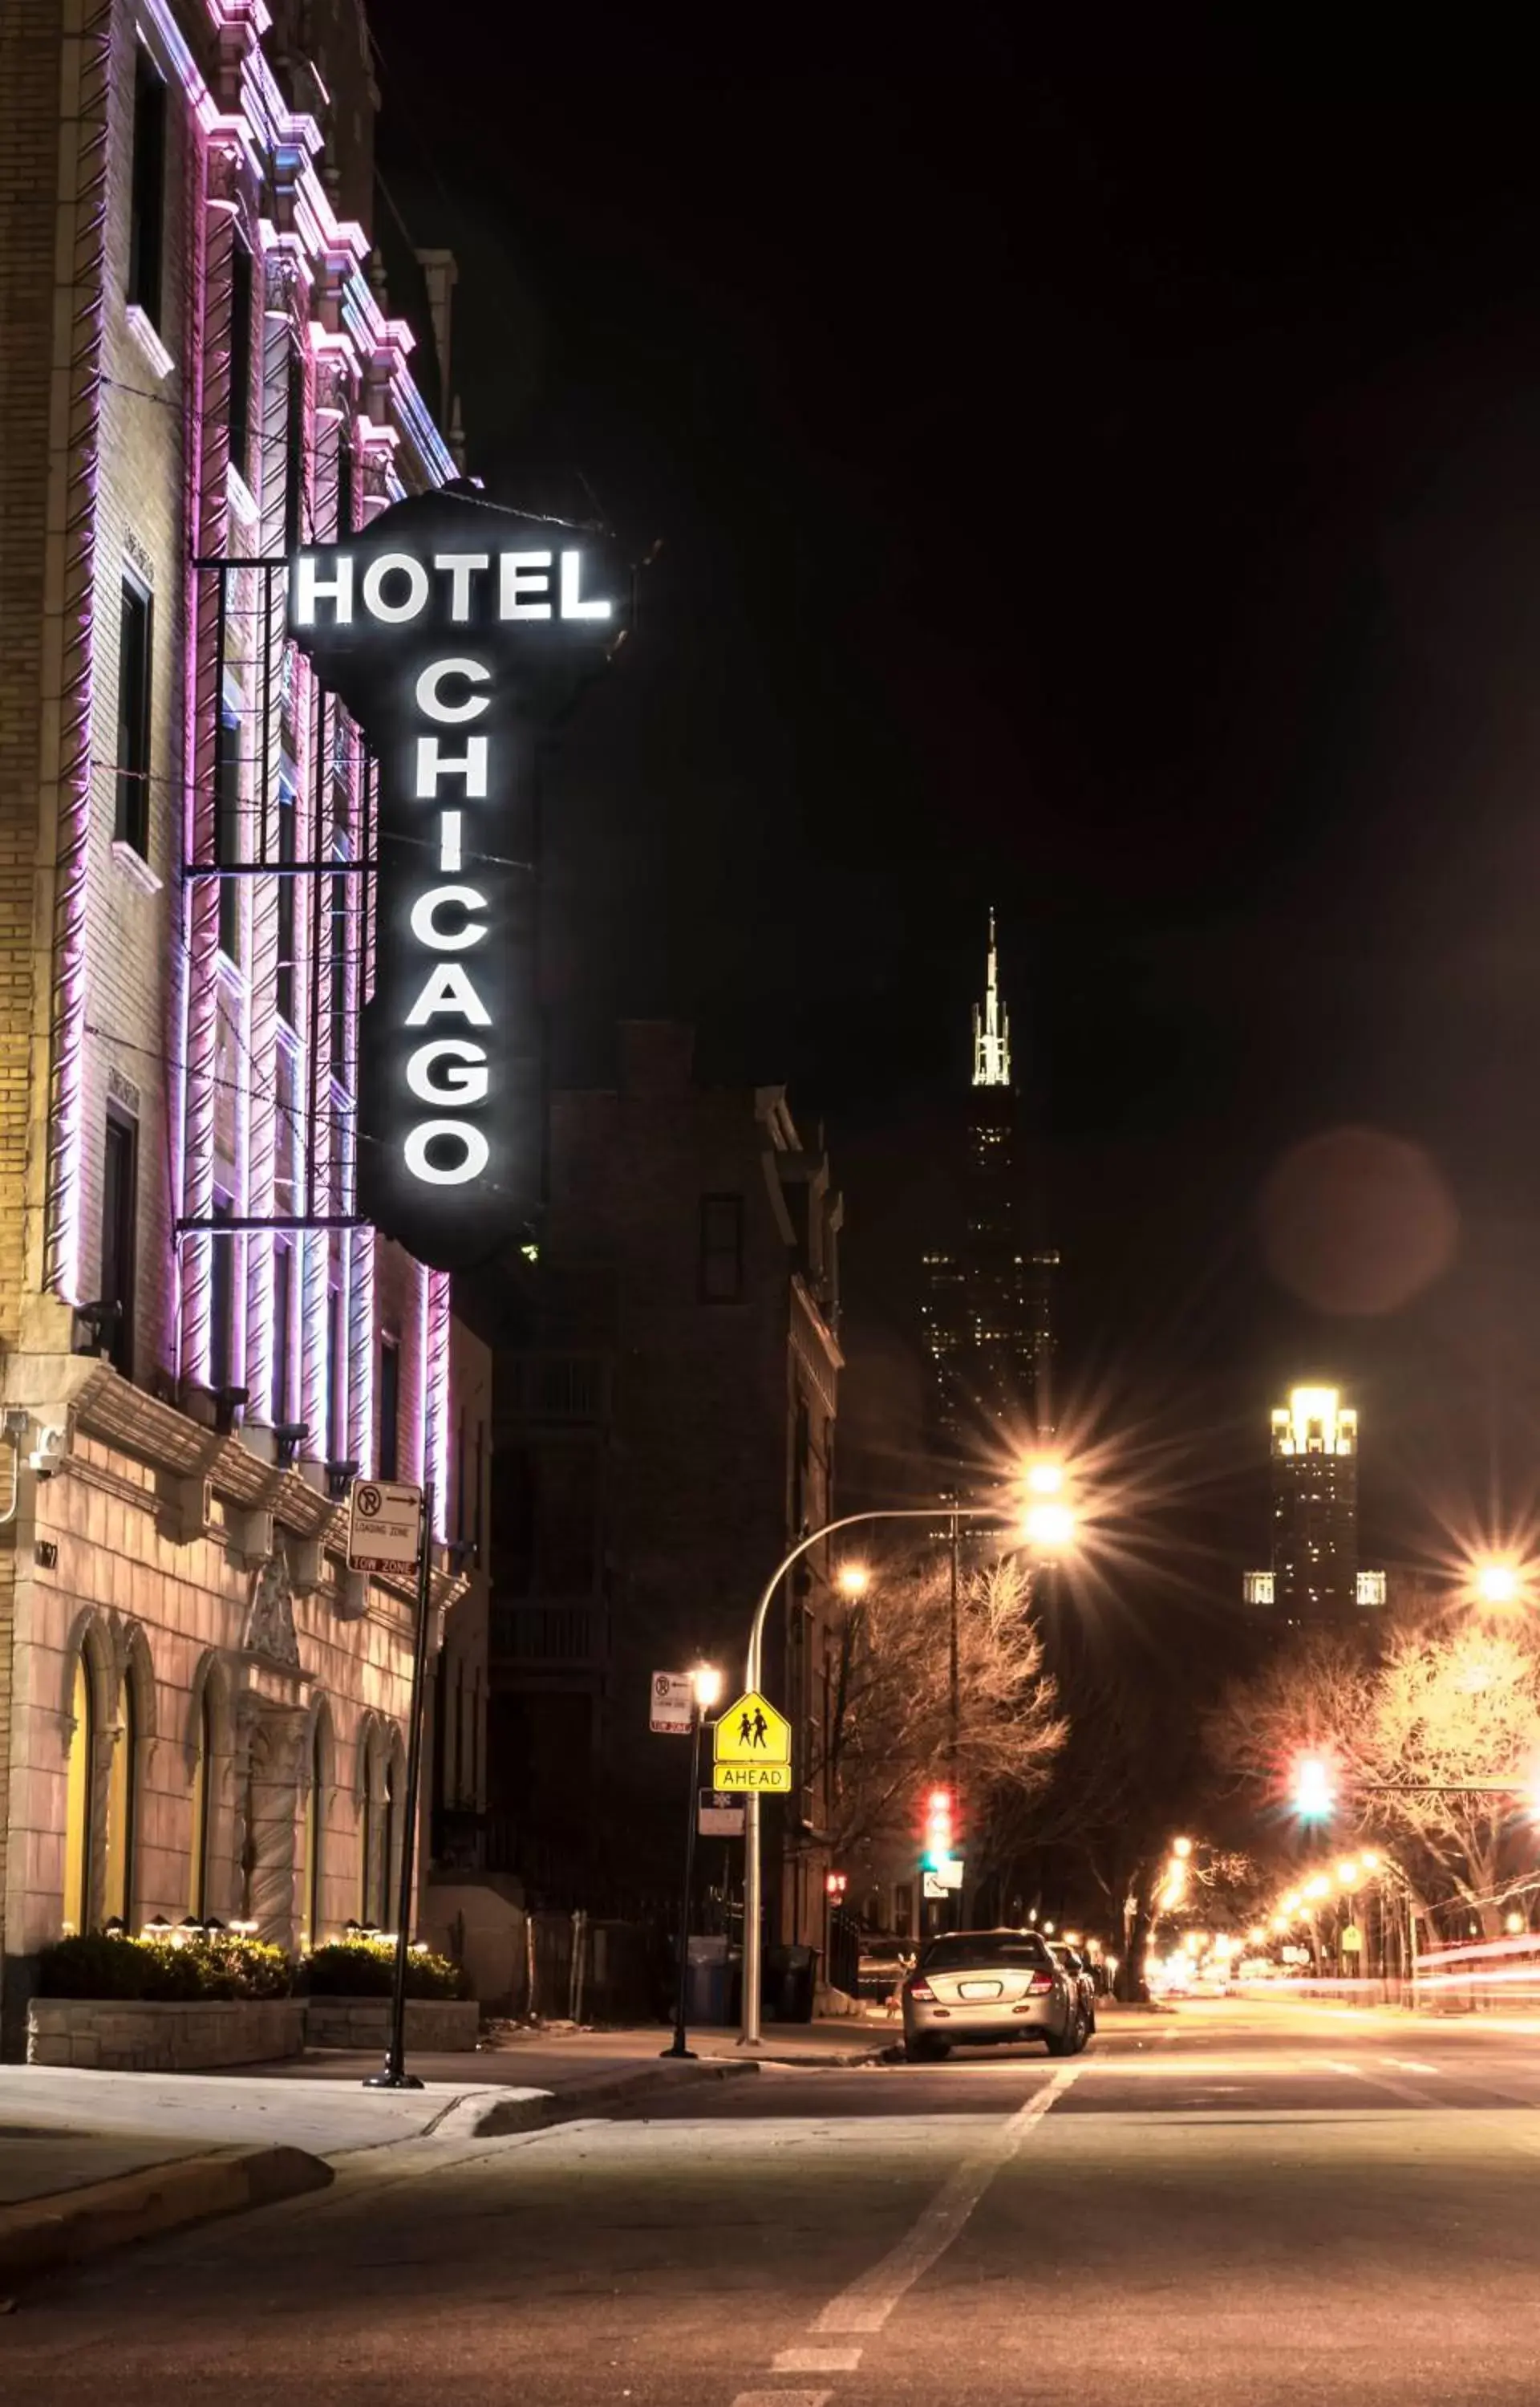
[{"x": 1238, "y": 2205}]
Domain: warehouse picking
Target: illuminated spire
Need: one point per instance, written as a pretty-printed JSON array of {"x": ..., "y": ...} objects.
[{"x": 992, "y": 1027}]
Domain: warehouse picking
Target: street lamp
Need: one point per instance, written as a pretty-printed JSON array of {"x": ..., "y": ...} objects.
[
  {"x": 1496, "y": 1582},
  {"x": 753, "y": 1865},
  {"x": 705, "y": 1692},
  {"x": 1048, "y": 1525},
  {"x": 852, "y": 1580},
  {"x": 1181, "y": 1848}
]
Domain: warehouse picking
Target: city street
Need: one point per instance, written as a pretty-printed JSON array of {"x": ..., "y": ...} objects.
[{"x": 1237, "y": 2202}]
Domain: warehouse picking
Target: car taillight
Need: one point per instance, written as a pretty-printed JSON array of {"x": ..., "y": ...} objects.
[
  {"x": 1038, "y": 1983},
  {"x": 923, "y": 1991}
]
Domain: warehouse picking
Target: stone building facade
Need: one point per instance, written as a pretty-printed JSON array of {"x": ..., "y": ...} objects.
[
  {"x": 201, "y": 1711},
  {"x": 663, "y": 1429}
]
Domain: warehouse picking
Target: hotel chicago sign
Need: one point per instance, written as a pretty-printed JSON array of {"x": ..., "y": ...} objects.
[{"x": 456, "y": 634}]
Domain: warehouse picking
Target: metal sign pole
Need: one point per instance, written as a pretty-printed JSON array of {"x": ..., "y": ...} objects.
[
  {"x": 393, "y": 2073},
  {"x": 692, "y": 1800}
]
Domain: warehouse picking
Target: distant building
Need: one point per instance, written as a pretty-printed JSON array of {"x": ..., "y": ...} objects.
[
  {"x": 987, "y": 1305},
  {"x": 1315, "y": 1577},
  {"x": 664, "y": 1427}
]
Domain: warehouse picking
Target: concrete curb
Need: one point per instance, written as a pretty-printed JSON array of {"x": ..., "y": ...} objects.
[
  {"x": 42, "y": 2233},
  {"x": 581, "y": 2098}
]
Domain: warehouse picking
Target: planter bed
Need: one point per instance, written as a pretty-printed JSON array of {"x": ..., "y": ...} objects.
[{"x": 143, "y": 2035}]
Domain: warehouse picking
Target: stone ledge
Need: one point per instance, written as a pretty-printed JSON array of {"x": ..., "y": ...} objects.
[
  {"x": 439, "y": 2026},
  {"x": 151, "y": 2035}
]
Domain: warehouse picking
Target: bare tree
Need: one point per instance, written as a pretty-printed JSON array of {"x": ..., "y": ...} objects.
[
  {"x": 1447, "y": 1704},
  {"x": 890, "y": 1730}
]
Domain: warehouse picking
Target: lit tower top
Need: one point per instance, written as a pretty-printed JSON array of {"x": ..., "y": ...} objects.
[
  {"x": 1314, "y": 1421},
  {"x": 992, "y": 1027}
]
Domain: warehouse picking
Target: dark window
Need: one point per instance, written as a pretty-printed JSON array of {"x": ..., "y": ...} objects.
[
  {"x": 337, "y": 930},
  {"x": 721, "y": 1248},
  {"x": 476, "y": 1502},
  {"x": 293, "y": 458},
  {"x": 989, "y": 1949},
  {"x": 345, "y": 482},
  {"x": 513, "y": 1531},
  {"x": 335, "y": 1422},
  {"x": 389, "y": 1447},
  {"x": 131, "y": 819},
  {"x": 240, "y": 360},
  {"x": 283, "y": 1299},
  {"x": 566, "y": 1542},
  {"x": 286, "y": 829},
  {"x": 460, "y": 1477},
  {"x": 147, "y": 202},
  {"x": 221, "y": 1299},
  {"x": 226, "y": 828},
  {"x": 120, "y": 1196}
]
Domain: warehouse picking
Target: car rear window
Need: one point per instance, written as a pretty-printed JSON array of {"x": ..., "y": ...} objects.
[{"x": 969, "y": 1950}]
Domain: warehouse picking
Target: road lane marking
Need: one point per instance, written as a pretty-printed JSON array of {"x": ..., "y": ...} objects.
[
  {"x": 816, "y": 2360},
  {"x": 867, "y": 2303},
  {"x": 1381, "y": 2081},
  {"x": 782, "y": 2398},
  {"x": 1408, "y": 2064}
]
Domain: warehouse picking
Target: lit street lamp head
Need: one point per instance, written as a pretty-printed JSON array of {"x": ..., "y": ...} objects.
[
  {"x": 1044, "y": 1477},
  {"x": 1183, "y": 1847},
  {"x": 852, "y": 1579},
  {"x": 1047, "y": 1526},
  {"x": 1496, "y": 1583},
  {"x": 707, "y": 1682}
]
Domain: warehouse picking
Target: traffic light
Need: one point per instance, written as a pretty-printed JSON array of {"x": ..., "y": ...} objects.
[
  {"x": 939, "y": 1846},
  {"x": 1314, "y": 1796}
]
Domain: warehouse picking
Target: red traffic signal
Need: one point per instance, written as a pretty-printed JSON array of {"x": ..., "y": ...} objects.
[{"x": 940, "y": 1834}]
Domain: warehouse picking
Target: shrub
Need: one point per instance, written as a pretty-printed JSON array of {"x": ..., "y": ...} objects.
[
  {"x": 365, "y": 1968},
  {"x": 222, "y": 1964}
]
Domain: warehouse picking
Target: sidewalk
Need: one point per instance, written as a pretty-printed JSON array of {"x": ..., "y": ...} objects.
[{"x": 91, "y": 2160}]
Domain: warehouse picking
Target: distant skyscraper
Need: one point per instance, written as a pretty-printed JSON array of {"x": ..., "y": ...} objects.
[
  {"x": 987, "y": 1309},
  {"x": 1315, "y": 1576}
]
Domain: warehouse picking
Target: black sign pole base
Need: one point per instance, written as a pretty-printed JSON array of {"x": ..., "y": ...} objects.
[{"x": 393, "y": 2073}]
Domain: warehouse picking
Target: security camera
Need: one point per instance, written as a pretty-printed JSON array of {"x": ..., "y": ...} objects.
[{"x": 49, "y": 1448}]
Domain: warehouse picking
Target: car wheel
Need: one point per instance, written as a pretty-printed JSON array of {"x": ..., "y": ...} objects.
[
  {"x": 1072, "y": 2039},
  {"x": 926, "y": 2051}
]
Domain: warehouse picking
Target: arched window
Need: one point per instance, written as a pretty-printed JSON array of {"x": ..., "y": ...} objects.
[
  {"x": 124, "y": 1810},
  {"x": 203, "y": 1793},
  {"x": 366, "y": 1838},
  {"x": 315, "y": 1842},
  {"x": 390, "y": 1837},
  {"x": 79, "y": 1835}
]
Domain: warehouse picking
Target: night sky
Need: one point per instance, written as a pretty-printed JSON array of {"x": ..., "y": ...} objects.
[{"x": 1107, "y": 485}]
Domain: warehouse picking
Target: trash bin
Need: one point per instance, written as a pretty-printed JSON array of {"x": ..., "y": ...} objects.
[
  {"x": 785, "y": 1993},
  {"x": 708, "y": 1982}
]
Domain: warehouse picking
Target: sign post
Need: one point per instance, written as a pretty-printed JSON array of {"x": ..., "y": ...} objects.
[
  {"x": 393, "y": 2073},
  {"x": 678, "y": 2045}
]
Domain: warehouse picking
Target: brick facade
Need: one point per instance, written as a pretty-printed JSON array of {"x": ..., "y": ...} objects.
[{"x": 177, "y": 1548}]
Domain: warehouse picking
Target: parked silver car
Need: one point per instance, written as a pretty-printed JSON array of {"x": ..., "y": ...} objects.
[
  {"x": 1073, "y": 1961},
  {"x": 975, "y": 1988}
]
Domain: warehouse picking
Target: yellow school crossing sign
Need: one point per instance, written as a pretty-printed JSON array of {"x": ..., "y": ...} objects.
[{"x": 751, "y": 1748}]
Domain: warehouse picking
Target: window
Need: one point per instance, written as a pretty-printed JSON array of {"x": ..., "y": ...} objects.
[
  {"x": 227, "y": 827},
  {"x": 335, "y": 1423},
  {"x": 221, "y": 1298},
  {"x": 147, "y": 198},
  {"x": 476, "y": 1502},
  {"x": 721, "y": 1248},
  {"x": 315, "y": 1840},
  {"x": 389, "y": 1447},
  {"x": 388, "y": 1836},
  {"x": 79, "y": 1800},
  {"x": 286, "y": 832},
  {"x": 119, "y": 1198},
  {"x": 293, "y": 458},
  {"x": 130, "y": 818},
  {"x": 240, "y": 361},
  {"x": 459, "y": 1477},
  {"x": 345, "y": 482},
  {"x": 122, "y": 1801},
  {"x": 337, "y": 931},
  {"x": 283, "y": 1306},
  {"x": 202, "y": 1792}
]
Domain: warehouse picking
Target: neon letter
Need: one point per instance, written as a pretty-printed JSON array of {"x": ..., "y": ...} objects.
[
  {"x": 452, "y": 714},
  {"x": 571, "y": 577},
  {"x": 311, "y": 588},
  {"x": 462, "y": 567},
  {"x": 471, "y": 1164},
  {"x": 395, "y": 564},
  {"x": 449, "y": 989},
  {"x": 521, "y": 575},
  {"x": 463, "y": 1081},
  {"x": 433, "y": 765},
  {"x": 425, "y": 925}
]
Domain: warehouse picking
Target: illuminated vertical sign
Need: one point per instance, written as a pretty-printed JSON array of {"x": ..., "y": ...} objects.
[{"x": 455, "y": 632}]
